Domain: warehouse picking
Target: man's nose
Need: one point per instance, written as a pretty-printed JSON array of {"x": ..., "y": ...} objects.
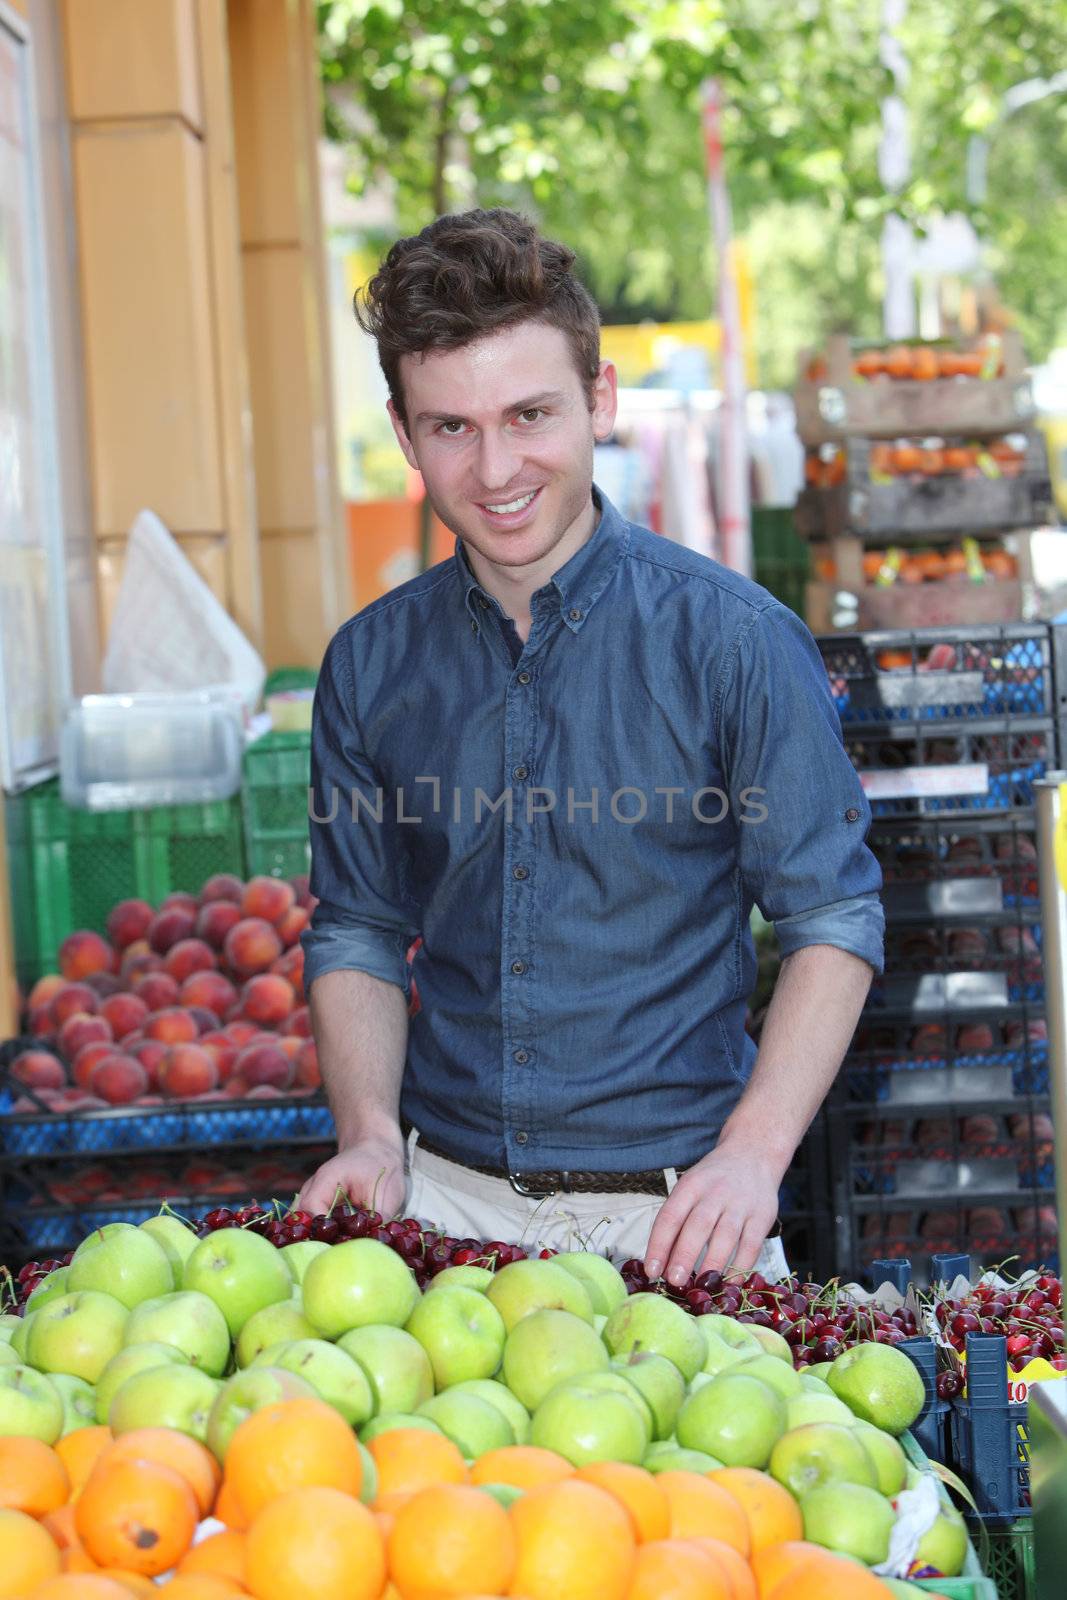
[{"x": 498, "y": 460}]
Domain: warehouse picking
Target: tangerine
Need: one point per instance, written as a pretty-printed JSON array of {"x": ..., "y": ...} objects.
[
  {"x": 776, "y": 1562},
  {"x": 140, "y": 1515},
  {"x": 30, "y": 1554},
  {"x": 638, "y": 1490},
  {"x": 81, "y": 1586},
  {"x": 79, "y": 1452},
  {"x": 228, "y": 1508},
  {"x": 409, "y": 1459},
  {"x": 677, "y": 1569},
  {"x": 699, "y": 1507},
  {"x": 574, "y": 1542},
  {"x": 220, "y": 1554},
  {"x": 734, "y": 1565},
  {"x": 189, "y": 1458},
  {"x": 32, "y": 1477},
  {"x": 525, "y": 1466},
  {"x": 202, "y": 1586},
  {"x": 448, "y": 1540},
  {"x": 315, "y": 1544},
  {"x": 772, "y": 1514},
  {"x": 294, "y": 1444}
]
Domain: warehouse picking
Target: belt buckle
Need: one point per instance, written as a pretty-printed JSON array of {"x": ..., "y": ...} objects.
[{"x": 521, "y": 1187}]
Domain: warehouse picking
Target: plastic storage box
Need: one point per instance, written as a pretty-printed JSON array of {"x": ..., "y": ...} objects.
[{"x": 127, "y": 751}]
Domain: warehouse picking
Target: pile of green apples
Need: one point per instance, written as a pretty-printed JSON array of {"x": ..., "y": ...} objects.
[{"x": 153, "y": 1326}]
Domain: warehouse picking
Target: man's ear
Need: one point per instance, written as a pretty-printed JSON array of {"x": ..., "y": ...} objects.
[
  {"x": 401, "y": 435},
  {"x": 605, "y": 402}
]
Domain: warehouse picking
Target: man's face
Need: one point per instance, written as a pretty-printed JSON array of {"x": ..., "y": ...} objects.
[{"x": 502, "y": 433}]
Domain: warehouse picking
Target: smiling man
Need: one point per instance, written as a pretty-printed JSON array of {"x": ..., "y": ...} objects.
[{"x": 571, "y": 758}]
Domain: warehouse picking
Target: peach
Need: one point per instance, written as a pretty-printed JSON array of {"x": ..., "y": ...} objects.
[
  {"x": 301, "y": 887},
  {"x": 215, "y": 920},
  {"x": 264, "y": 1063},
  {"x": 186, "y": 1072},
  {"x": 223, "y": 886},
  {"x": 125, "y": 1013},
  {"x": 41, "y": 1024},
  {"x": 235, "y": 1088},
  {"x": 44, "y": 990},
  {"x": 292, "y": 925},
  {"x": 156, "y": 989},
  {"x": 200, "y": 1177},
  {"x": 180, "y": 899},
  {"x": 23, "y": 1105},
  {"x": 267, "y": 1000},
  {"x": 251, "y": 946},
  {"x": 79, "y": 1030},
  {"x": 264, "y": 1091},
  {"x": 269, "y": 898},
  {"x": 289, "y": 1045},
  {"x": 241, "y": 1033},
  {"x": 169, "y": 927},
  {"x": 206, "y": 1020},
  {"x": 150, "y": 1053},
  {"x": 137, "y": 961},
  {"x": 86, "y": 1059},
  {"x": 222, "y": 1051},
  {"x": 128, "y": 922},
  {"x": 104, "y": 984},
  {"x": 189, "y": 956},
  {"x": 308, "y": 1075},
  {"x": 84, "y": 952},
  {"x": 208, "y": 989},
  {"x": 71, "y": 998},
  {"x": 290, "y": 966},
  {"x": 118, "y": 1079},
  {"x": 299, "y": 1023},
  {"x": 172, "y": 1026},
  {"x": 38, "y": 1069}
]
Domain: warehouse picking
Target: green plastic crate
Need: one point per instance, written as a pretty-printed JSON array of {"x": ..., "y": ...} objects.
[
  {"x": 1010, "y": 1559},
  {"x": 69, "y": 867},
  {"x": 274, "y": 802},
  {"x": 781, "y": 558},
  {"x": 972, "y": 1583}
]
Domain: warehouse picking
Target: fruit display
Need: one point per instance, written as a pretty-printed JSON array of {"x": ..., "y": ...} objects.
[
  {"x": 826, "y": 465},
  {"x": 291, "y": 1415},
  {"x": 947, "y": 563},
  {"x": 919, "y": 363}
]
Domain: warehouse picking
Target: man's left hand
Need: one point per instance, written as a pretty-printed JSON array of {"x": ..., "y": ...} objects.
[{"x": 727, "y": 1202}]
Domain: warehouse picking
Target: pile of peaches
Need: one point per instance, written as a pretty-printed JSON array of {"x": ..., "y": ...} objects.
[{"x": 199, "y": 998}]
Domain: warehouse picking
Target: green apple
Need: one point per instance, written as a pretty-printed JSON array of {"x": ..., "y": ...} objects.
[
  {"x": 473, "y": 1425},
  {"x": 545, "y": 1347},
  {"x": 888, "y": 1459},
  {"x": 130, "y": 1359},
  {"x": 165, "y": 1397},
  {"x": 666, "y": 1457},
  {"x": 299, "y": 1256},
  {"x": 849, "y": 1518},
  {"x": 650, "y": 1322},
  {"x": 8, "y": 1357},
  {"x": 525, "y": 1286},
  {"x": 271, "y": 1325},
  {"x": 505, "y": 1494},
  {"x": 461, "y": 1331},
  {"x": 614, "y": 1383},
  {"x": 241, "y": 1271},
  {"x": 818, "y": 1453},
  {"x": 468, "y": 1276},
  {"x": 368, "y": 1482},
  {"x": 20, "y": 1338},
  {"x": 813, "y": 1384},
  {"x": 774, "y": 1373},
  {"x": 806, "y": 1407},
  {"x": 49, "y": 1288},
  {"x": 335, "y": 1377},
  {"x": 772, "y": 1342},
  {"x": 78, "y": 1333},
  {"x": 355, "y": 1283},
  {"x": 29, "y": 1404},
  {"x": 879, "y": 1384},
  {"x": 820, "y": 1370},
  {"x": 177, "y": 1240},
  {"x": 244, "y": 1393},
  {"x": 738, "y": 1335},
  {"x": 397, "y": 1367},
  {"x": 721, "y": 1354},
  {"x": 901, "y": 1589},
  {"x": 499, "y": 1395},
  {"x": 735, "y": 1417},
  {"x": 79, "y": 1401},
  {"x": 9, "y": 1323},
  {"x": 386, "y": 1421},
  {"x": 659, "y": 1383},
  {"x": 128, "y": 1265},
  {"x": 603, "y": 1282},
  {"x": 586, "y": 1424},
  {"x": 944, "y": 1546},
  {"x": 188, "y": 1320}
]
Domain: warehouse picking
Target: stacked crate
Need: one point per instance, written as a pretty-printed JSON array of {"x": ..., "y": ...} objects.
[{"x": 938, "y": 1131}]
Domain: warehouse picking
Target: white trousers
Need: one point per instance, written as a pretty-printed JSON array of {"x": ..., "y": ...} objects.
[{"x": 469, "y": 1204}]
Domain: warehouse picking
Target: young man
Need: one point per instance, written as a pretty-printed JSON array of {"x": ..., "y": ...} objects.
[{"x": 571, "y": 758}]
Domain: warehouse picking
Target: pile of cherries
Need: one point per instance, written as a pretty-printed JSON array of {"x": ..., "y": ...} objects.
[{"x": 1029, "y": 1315}]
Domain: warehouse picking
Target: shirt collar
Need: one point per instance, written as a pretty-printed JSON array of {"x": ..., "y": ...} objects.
[{"x": 578, "y": 584}]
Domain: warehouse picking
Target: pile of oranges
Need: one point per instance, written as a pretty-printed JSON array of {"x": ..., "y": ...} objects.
[
  {"x": 920, "y": 362},
  {"x": 299, "y": 1513}
]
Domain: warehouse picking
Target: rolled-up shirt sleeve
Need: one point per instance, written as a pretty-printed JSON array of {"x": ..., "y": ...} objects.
[
  {"x": 364, "y": 920},
  {"x": 804, "y": 861}
]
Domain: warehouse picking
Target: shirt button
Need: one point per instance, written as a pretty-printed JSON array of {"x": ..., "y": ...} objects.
[
  {"x": 483, "y": 602},
  {"x": 474, "y": 626},
  {"x": 524, "y": 677},
  {"x": 520, "y": 873},
  {"x": 522, "y": 1056},
  {"x": 518, "y": 968},
  {"x": 575, "y": 615},
  {"x": 518, "y": 773},
  {"x": 522, "y": 1138},
  {"x": 852, "y": 815}
]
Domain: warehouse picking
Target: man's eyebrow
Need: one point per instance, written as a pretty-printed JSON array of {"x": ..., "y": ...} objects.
[{"x": 546, "y": 397}]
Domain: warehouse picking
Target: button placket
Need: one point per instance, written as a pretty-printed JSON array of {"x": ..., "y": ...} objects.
[{"x": 517, "y": 1008}]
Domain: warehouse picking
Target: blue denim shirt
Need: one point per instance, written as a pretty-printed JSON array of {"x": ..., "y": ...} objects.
[{"x": 578, "y": 827}]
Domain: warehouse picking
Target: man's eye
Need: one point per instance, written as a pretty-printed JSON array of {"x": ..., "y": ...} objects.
[
  {"x": 448, "y": 427},
  {"x": 533, "y": 414}
]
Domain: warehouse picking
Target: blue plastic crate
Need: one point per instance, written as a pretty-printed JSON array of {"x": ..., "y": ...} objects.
[{"x": 990, "y": 1433}]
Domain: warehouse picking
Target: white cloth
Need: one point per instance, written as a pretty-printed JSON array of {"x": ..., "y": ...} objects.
[{"x": 471, "y": 1205}]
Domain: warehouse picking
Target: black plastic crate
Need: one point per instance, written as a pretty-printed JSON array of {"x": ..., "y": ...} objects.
[
  {"x": 977, "y": 871},
  {"x": 967, "y": 1060},
  {"x": 945, "y": 1153},
  {"x": 953, "y": 769},
  {"x": 994, "y": 1228}
]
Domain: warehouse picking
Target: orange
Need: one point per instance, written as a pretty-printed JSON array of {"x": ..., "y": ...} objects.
[
  {"x": 32, "y": 1477},
  {"x": 295, "y": 1444},
  {"x": 228, "y": 1508},
  {"x": 75, "y": 1558},
  {"x": 699, "y": 1507},
  {"x": 773, "y": 1515},
  {"x": 315, "y": 1544},
  {"x": 60, "y": 1524},
  {"x": 221, "y": 1554},
  {"x": 733, "y": 1564},
  {"x": 449, "y": 1540},
  {"x": 187, "y": 1456},
  {"x": 675, "y": 1569},
  {"x": 836, "y": 1579},
  {"x": 132, "y": 1582},
  {"x": 30, "y": 1554},
  {"x": 526, "y": 1466},
  {"x": 409, "y": 1459},
  {"x": 81, "y": 1586},
  {"x": 637, "y": 1490},
  {"x": 775, "y": 1563},
  {"x": 575, "y": 1542},
  {"x": 136, "y": 1514},
  {"x": 79, "y": 1452},
  {"x": 203, "y": 1586}
]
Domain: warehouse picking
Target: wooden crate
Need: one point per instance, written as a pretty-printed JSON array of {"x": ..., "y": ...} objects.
[
  {"x": 842, "y": 406},
  {"x": 949, "y": 602}
]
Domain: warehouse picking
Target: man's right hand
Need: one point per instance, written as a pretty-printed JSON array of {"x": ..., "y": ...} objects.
[{"x": 370, "y": 1174}]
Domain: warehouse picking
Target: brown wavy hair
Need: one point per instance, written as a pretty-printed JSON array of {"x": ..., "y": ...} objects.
[{"x": 468, "y": 275}]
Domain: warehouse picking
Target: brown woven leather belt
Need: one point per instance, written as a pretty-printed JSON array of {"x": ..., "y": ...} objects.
[{"x": 558, "y": 1181}]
